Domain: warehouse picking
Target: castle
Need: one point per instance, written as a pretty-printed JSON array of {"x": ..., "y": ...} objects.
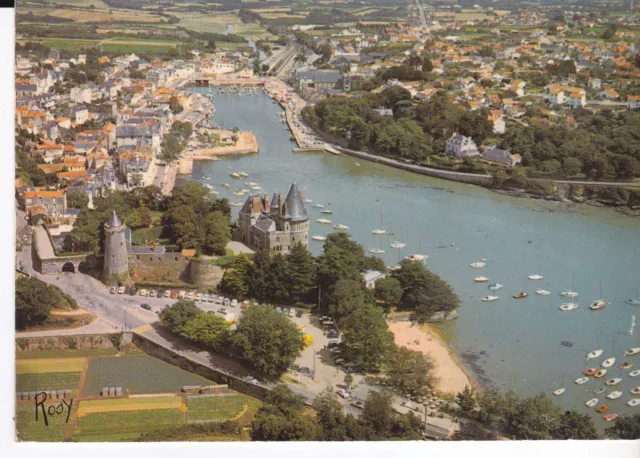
[{"x": 273, "y": 226}]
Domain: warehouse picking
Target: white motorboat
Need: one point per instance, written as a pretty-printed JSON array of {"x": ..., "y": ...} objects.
[
  {"x": 495, "y": 286},
  {"x": 376, "y": 250},
  {"x": 327, "y": 212},
  {"x": 394, "y": 267},
  {"x": 417, "y": 257},
  {"x": 256, "y": 188},
  {"x": 483, "y": 259},
  {"x": 569, "y": 293},
  {"x": 481, "y": 279},
  {"x": 251, "y": 183},
  {"x": 559, "y": 391},
  {"x": 633, "y": 301},
  {"x": 614, "y": 395},
  {"x": 477, "y": 265},
  {"x": 398, "y": 245},
  {"x": 318, "y": 206},
  {"x": 378, "y": 232},
  {"x": 215, "y": 193},
  {"x": 613, "y": 382},
  {"x": 243, "y": 174},
  {"x": 535, "y": 277},
  {"x": 341, "y": 227},
  {"x": 633, "y": 402},
  {"x": 599, "y": 390},
  {"x": 208, "y": 186},
  {"x": 635, "y": 390},
  {"x": 324, "y": 221},
  {"x": 568, "y": 307},
  {"x": 236, "y": 204},
  {"x": 632, "y": 351},
  {"x": 601, "y": 373},
  {"x": 226, "y": 185},
  {"x": 542, "y": 292},
  {"x": 591, "y": 402},
  {"x": 582, "y": 380},
  {"x": 489, "y": 298},
  {"x": 318, "y": 238},
  {"x": 595, "y": 354},
  {"x": 238, "y": 193},
  {"x": 599, "y": 304},
  {"x": 608, "y": 362},
  {"x": 308, "y": 201},
  {"x": 235, "y": 175},
  {"x": 634, "y": 373}
]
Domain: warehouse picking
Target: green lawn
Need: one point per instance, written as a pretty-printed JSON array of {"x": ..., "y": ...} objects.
[
  {"x": 67, "y": 44},
  {"x": 142, "y": 236},
  {"x": 28, "y": 429},
  {"x": 138, "y": 374},
  {"x": 139, "y": 48},
  {"x": 49, "y": 381},
  {"x": 66, "y": 353},
  {"x": 214, "y": 408},
  {"x": 124, "y": 425}
]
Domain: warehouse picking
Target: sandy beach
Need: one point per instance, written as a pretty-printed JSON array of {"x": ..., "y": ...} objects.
[{"x": 451, "y": 378}]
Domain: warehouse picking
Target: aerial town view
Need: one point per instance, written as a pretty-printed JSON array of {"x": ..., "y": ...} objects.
[{"x": 327, "y": 220}]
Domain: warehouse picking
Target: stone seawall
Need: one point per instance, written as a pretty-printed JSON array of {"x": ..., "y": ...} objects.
[
  {"x": 72, "y": 342},
  {"x": 161, "y": 267}
]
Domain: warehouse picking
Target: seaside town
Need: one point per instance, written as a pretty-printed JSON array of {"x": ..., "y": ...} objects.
[{"x": 227, "y": 322}]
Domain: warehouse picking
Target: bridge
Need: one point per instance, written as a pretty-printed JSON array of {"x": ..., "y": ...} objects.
[{"x": 52, "y": 264}]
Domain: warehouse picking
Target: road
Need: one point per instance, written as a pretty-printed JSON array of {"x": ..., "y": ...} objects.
[{"x": 423, "y": 18}]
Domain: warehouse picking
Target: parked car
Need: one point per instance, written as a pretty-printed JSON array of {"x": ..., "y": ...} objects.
[
  {"x": 358, "y": 404},
  {"x": 167, "y": 293},
  {"x": 174, "y": 294},
  {"x": 343, "y": 394},
  {"x": 133, "y": 291},
  {"x": 292, "y": 313},
  {"x": 222, "y": 311},
  {"x": 339, "y": 361},
  {"x": 278, "y": 309},
  {"x": 182, "y": 294},
  {"x": 227, "y": 301},
  {"x": 299, "y": 314},
  {"x": 121, "y": 290},
  {"x": 244, "y": 305},
  {"x": 218, "y": 301},
  {"x": 144, "y": 292},
  {"x": 234, "y": 302},
  {"x": 191, "y": 295},
  {"x": 285, "y": 311},
  {"x": 113, "y": 290},
  {"x": 152, "y": 293},
  {"x": 205, "y": 298},
  {"x": 199, "y": 297},
  {"x": 145, "y": 306},
  {"x": 212, "y": 298},
  {"x": 160, "y": 293}
]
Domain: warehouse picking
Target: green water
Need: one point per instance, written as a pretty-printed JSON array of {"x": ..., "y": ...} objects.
[{"x": 508, "y": 343}]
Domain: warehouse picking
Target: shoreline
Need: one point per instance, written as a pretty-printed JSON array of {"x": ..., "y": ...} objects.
[{"x": 451, "y": 372}]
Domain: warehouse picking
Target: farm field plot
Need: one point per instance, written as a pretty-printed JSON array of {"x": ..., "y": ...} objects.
[
  {"x": 28, "y": 429},
  {"x": 66, "y": 354},
  {"x": 129, "y": 404},
  {"x": 48, "y": 381},
  {"x": 41, "y": 366},
  {"x": 215, "y": 408},
  {"x": 124, "y": 424},
  {"x": 138, "y": 374}
]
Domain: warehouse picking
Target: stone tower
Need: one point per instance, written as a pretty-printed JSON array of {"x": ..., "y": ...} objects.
[{"x": 116, "y": 256}]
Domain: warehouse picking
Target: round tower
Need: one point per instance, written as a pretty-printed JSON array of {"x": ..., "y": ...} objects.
[{"x": 116, "y": 256}]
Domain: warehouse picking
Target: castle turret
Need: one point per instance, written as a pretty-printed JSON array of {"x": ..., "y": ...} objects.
[{"x": 116, "y": 256}]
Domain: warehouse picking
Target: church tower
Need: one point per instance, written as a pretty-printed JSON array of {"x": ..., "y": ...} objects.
[{"x": 116, "y": 256}]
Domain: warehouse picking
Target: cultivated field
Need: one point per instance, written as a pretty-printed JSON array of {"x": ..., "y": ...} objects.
[
  {"x": 39, "y": 366},
  {"x": 138, "y": 374},
  {"x": 215, "y": 407},
  {"x": 28, "y": 429},
  {"x": 129, "y": 404},
  {"x": 48, "y": 381}
]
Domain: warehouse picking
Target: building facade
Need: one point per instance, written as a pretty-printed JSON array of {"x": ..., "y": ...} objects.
[{"x": 116, "y": 249}]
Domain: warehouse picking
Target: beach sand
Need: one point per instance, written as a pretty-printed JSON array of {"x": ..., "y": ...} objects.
[{"x": 451, "y": 378}]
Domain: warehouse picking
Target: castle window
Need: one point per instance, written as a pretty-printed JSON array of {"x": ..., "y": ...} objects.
[
  {"x": 113, "y": 256},
  {"x": 277, "y": 239},
  {"x": 294, "y": 239},
  {"x": 176, "y": 259},
  {"x": 138, "y": 257},
  {"x": 121, "y": 243},
  {"x": 150, "y": 258}
]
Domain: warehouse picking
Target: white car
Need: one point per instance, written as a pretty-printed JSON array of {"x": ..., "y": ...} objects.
[
  {"x": 191, "y": 295},
  {"x": 343, "y": 394},
  {"x": 205, "y": 298},
  {"x": 292, "y": 313},
  {"x": 144, "y": 293},
  {"x": 212, "y": 298},
  {"x": 121, "y": 290},
  {"x": 152, "y": 293},
  {"x": 234, "y": 302},
  {"x": 182, "y": 294},
  {"x": 167, "y": 293},
  {"x": 199, "y": 296}
]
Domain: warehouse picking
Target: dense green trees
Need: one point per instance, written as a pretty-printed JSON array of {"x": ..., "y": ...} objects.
[
  {"x": 175, "y": 106},
  {"x": 177, "y": 315},
  {"x": 234, "y": 282},
  {"x": 206, "y": 329},
  {"x": 35, "y": 299},
  {"x": 280, "y": 418},
  {"x": 389, "y": 291},
  {"x": 266, "y": 339},
  {"x": 626, "y": 427},
  {"x": 77, "y": 199},
  {"x": 366, "y": 339},
  {"x": 410, "y": 371}
]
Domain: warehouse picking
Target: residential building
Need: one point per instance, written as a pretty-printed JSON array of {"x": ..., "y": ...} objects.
[
  {"x": 460, "y": 146},
  {"x": 502, "y": 157}
]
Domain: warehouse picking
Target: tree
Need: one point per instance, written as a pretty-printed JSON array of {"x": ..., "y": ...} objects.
[
  {"x": 571, "y": 166},
  {"x": 175, "y": 106},
  {"x": 626, "y": 427},
  {"x": 466, "y": 399},
  {"x": 389, "y": 291},
  {"x": 410, "y": 371},
  {"x": 280, "y": 418},
  {"x": 257, "y": 279},
  {"x": 300, "y": 273},
  {"x": 177, "y": 315},
  {"x": 77, "y": 199},
  {"x": 366, "y": 337},
  {"x": 267, "y": 340},
  {"x": 472, "y": 431},
  {"x": 333, "y": 425},
  {"x": 139, "y": 218},
  {"x": 34, "y": 301},
  {"x": 380, "y": 421},
  {"x": 348, "y": 380},
  {"x": 207, "y": 329},
  {"x": 234, "y": 282},
  {"x": 533, "y": 419},
  {"x": 346, "y": 297},
  {"x": 575, "y": 425},
  {"x": 217, "y": 233}
]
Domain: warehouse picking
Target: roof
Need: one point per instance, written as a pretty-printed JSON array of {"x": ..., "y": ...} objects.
[
  {"x": 189, "y": 252},
  {"x": 294, "y": 207},
  {"x": 114, "y": 221},
  {"x": 264, "y": 224},
  {"x": 43, "y": 194}
]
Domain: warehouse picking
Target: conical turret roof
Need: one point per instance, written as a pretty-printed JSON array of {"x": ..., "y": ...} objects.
[
  {"x": 294, "y": 207},
  {"x": 114, "y": 221}
]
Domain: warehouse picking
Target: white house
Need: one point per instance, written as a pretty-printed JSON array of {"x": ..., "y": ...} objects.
[
  {"x": 461, "y": 146},
  {"x": 371, "y": 277}
]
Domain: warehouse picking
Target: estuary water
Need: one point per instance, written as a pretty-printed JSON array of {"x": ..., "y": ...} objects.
[{"x": 509, "y": 343}]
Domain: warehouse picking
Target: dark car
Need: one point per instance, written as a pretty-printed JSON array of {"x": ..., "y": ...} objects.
[
  {"x": 133, "y": 291},
  {"x": 146, "y": 306},
  {"x": 299, "y": 314},
  {"x": 160, "y": 293}
]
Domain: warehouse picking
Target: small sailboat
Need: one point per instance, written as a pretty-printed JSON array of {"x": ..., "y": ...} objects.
[
  {"x": 599, "y": 390},
  {"x": 569, "y": 293},
  {"x": 327, "y": 212},
  {"x": 635, "y": 390},
  {"x": 235, "y": 175},
  {"x": 226, "y": 185},
  {"x": 595, "y": 354},
  {"x": 591, "y": 371},
  {"x": 591, "y": 402},
  {"x": 318, "y": 238},
  {"x": 520, "y": 295},
  {"x": 378, "y": 232},
  {"x": 341, "y": 227},
  {"x": 610, "y": 417},
  {"x": 614, "y": 395},
  {"x": 581, "y": 380},
  {"x": 477, "y": 265},
  {"x": 542, "y": 292},
  {"x": 633, "y": 402},
  {"x": 634, "y": 373},
  {"x": 603, "y": 408},
  {"x": 481, "y": 279},
  {"x": 236, "y": 204},
  {"x": 376, "y": 250},
  {"x": 318, "y": 206},
  {"x": 568, "y": 307},
  {"x": 600, "y": 303},
  {"x": 626, "y": 365},
  {"x": 631, "y": 301},
  {"x": 495, "y": 286},
  {"x": 601, "y": 373},
  {"x": 535, "y": 277},
  {"x": 416, "y": 257},
  {"x": 613, "y": 382},
  {"x": 357, "y": 164},
  {"x": 243, "y": 174},
  {"x": 559, "y": 391},
  {"x": 308, "y": 201},
  {"x": 489, "y": 298},
  {"x": 394, "y": 267},
  {"x": 632, "y": 351},
  {"x": 608, "y": 362},
  {"x": 398, "y": 245},
  {"x": 324, "y": 221}
]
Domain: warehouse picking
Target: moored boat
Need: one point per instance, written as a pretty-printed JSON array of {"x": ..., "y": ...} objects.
[
  {"x": 378, "y": 232},
  {"x": 632, "y": 351},
  {"x": 416, "y": 257},
  {"x": 327, "y": 212},
  {"x": 308, "y": 201},
  {"x": 581, "y": 380},
  {"x": 481, "y": 279},
  {"x": 591, "y": 402},
  {"x": 634, "y": 373},
  {"x": 569, "y": 293},
  {"x": 520, "y": 295},
  {"x": 243, "y": 174},
  {"x": 376, "y": 250},
  {"x": 635, "y": 390},
  {"x": 591, "y": 371},
  {"x": 234, "y": 175},
  {"x": 559, "y": 391},
  {"x": 542, "y": 292},
  {"x": 594, "y": 354},
  {"x": 598, "y": 305},
  {"x": 535, "y": 277},
  {"x": 603, "y": 408},
  {"x": 633, "y": 402},
  {"x": 495, "y": 286},
  {"x": 613, "y": 381},
  {"x": 398, "y": 245},
  {"x": 317, "y": 206},
  {"x": 626, "y": 365},
  {"x": 614, "y": 395},
  {"x": 477, "y": 265},
  {"x": 318, "y": 238},
  {"x": 601, "y": 373},
  {"x": 568, "y": 307},
  {"x": 489, "y": 298},
  {"x": 226, "y": 185},
  {"x": 633, "y": 301},
  {"x": 341, "y": 227},
  {"x": 608, "y": 362},
  {"x": 600, "y": 390},
  {"x": 324, "y": 221},
  {"x": 236, "y": 204},
  {"x": 610, "y": 417}
]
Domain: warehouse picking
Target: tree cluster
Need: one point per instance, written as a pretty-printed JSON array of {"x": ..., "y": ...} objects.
[{"x": 35, "y": 299}]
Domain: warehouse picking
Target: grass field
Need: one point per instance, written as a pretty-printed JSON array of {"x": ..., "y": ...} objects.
[
  {"x": 48, "y": 381},
  {"x": 28, "y": 429},
  {"x": 129, "y": 404},
  {"x": 138, "y": 374},
  {"x": 215, "y": 408},
  {"x": 142, "y": 236},
  {"x": 128, "y": 423},
  {"x": 65, "y": 353},
  {"x": 39, "y": 366}
]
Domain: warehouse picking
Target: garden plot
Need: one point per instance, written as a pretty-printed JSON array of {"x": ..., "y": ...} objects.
[
  {"x": 124, "y": 424},
  {"x": 215, "y": 407},
  {"x": 43, "y": 366},
  {"x": 28, "y": 429},
  {"x": 48, "y": 381}
]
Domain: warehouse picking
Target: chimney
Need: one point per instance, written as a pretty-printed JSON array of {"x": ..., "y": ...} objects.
[
  {"x": 266, "y": 203},
  {"x": 280, "y": 204},
  {"x": 256, "y": 204}
]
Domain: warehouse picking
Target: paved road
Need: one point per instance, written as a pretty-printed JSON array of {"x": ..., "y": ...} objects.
[{"x": 43, "y": 244}]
